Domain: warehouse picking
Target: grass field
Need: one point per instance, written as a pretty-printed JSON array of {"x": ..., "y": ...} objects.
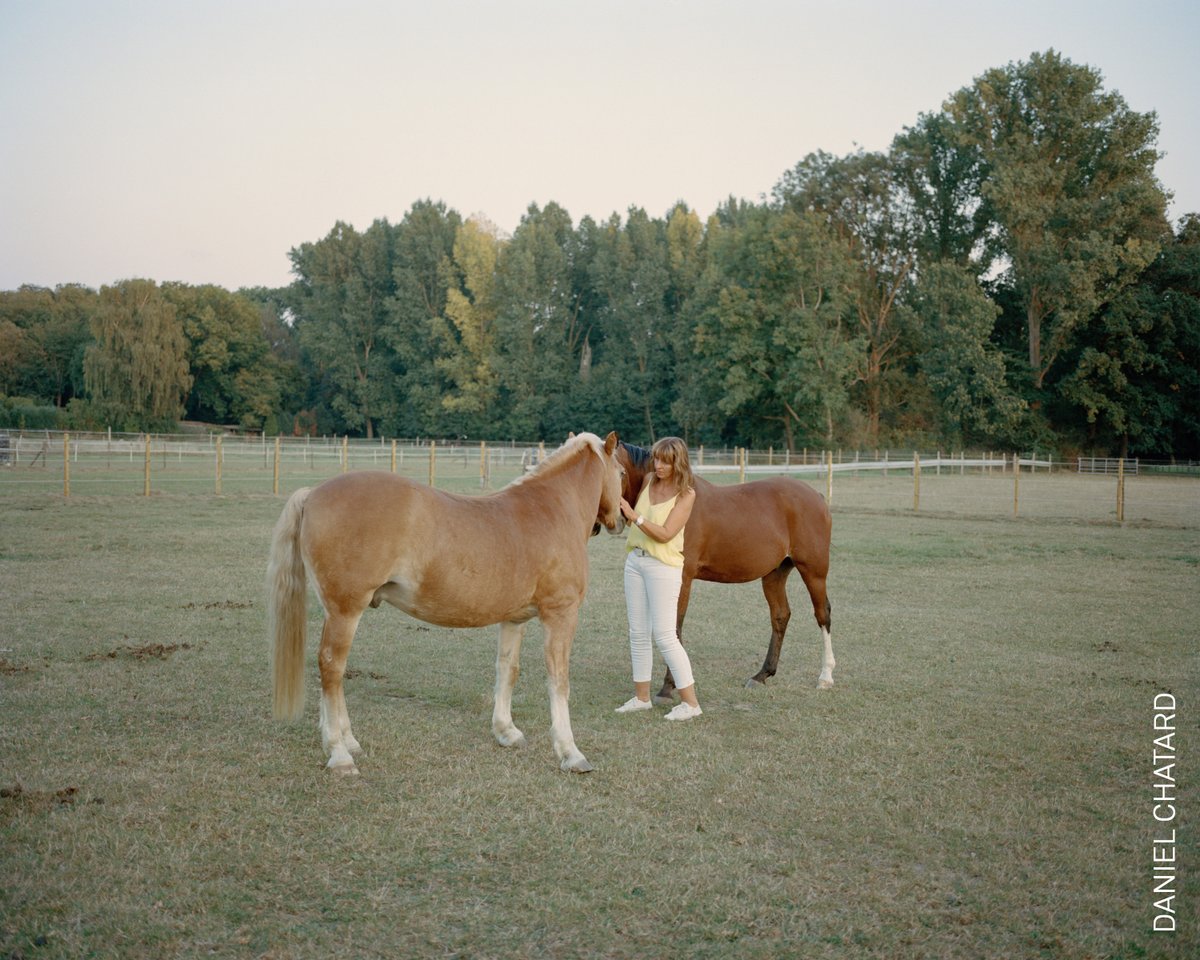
[{"x": 977, "y": 784}]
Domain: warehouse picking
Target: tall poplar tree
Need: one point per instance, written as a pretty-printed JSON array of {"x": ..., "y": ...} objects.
[
  {"x": 469, "y": 333},
  {"x": 423, "y": 244},
  {"x": 342, "y": 300}
]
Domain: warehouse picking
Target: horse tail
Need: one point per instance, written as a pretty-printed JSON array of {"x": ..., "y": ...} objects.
[{"x": 287, "y": 598}]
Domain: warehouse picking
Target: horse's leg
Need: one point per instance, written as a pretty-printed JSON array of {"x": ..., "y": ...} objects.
[
  {"x": 667, "y": 694},
  {"x": 336, "y": 738},
  {"x": 774, "y": 586},
  {"x": 559, "y": 627},
  {"x": 508, "y": 668},
  {"x": 823, "y": 611}
]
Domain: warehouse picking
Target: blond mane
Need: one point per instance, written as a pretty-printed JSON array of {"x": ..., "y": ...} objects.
[{"x": 562, "y": 455}]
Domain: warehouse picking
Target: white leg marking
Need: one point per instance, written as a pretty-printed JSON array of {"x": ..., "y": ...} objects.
[
  {"x": 508, "y": 668},
  {"x": 825, "y": 681},
  {"x": 333, "y": 740}
]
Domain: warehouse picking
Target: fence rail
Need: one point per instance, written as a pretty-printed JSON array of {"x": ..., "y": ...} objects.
[
  {"x": 979, "y": 484},
  {"x": 1108, "y": 465}
]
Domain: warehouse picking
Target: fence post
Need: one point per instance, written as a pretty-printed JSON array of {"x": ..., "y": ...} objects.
[
  {"x": 278, "y": 450},
  {"x": 432, "y": 461},
  {"x": 482, "y": 464},
  {"x": 917, "y": 480},
  {"x": 146, "y": 472},
  {"x": 219, "y": 458},
  {"x": 742, "y": 464},
  {"x": 1121, "y": 490},
  {"x": 829, "y": 478},
  {"x": 345, "y": 454},
  {"x": 66, "y": 465},
  {"x": 1016, "y": 479},
  {"x": 700, "y": 459},
  {"x": 393, "y": 456}
]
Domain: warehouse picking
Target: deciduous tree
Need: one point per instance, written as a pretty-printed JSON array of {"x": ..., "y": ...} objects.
[{"x": 136, "y": 369}]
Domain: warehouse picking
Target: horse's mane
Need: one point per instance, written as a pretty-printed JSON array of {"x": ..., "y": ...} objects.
[
  {"x": 562, "y": 455},
  {"x": 638, "y": 456}
]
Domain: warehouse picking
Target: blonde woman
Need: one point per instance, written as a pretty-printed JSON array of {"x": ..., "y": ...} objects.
[{"x": 654, "y": 573}]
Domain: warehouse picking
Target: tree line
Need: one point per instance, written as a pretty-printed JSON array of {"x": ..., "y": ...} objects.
[{"x": 1004, "y": 275}]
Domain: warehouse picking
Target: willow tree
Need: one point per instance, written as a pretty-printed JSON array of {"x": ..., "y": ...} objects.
[{"x": 136, "y": 369}]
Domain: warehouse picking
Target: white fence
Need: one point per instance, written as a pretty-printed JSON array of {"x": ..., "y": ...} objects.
[{"x": 1109, "y": 466}]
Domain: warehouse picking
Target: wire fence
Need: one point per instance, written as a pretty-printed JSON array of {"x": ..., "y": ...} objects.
[{"x": 979, "y": 484}]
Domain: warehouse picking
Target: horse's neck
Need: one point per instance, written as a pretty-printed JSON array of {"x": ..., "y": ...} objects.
[{"x": 572, "y": 482}]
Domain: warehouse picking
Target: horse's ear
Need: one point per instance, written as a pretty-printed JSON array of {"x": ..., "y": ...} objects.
[
  {"x": 610, "y": 442},
  {"x": 571, "y": 435}
]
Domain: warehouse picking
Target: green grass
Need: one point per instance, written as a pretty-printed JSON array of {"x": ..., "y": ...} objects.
[{"x": 976, "y": 785}]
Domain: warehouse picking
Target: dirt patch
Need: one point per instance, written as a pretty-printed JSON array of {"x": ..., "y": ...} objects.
[
  {"x": 219, "y": 605},
  {"x": 42, "y": 799},
  {"x": 351, "y": 674},
  {"x": 149, "y": 651},
  {"x": 8, "y": 668}
]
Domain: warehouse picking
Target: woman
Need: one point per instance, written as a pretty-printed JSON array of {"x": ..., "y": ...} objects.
[{"x": 654, "y": 573}]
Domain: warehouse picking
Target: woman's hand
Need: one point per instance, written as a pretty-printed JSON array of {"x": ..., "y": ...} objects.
[{"x": 627, "y": 511}]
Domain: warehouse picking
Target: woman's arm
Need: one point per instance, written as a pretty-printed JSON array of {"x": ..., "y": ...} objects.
[{"x": 666, "y": 531}]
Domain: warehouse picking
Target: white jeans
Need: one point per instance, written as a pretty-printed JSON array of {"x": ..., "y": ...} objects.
[{"x": 651, "y": 601}]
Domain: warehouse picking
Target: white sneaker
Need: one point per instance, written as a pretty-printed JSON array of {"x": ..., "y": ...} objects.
[
  {"x": 632, "y": 704},
  {"x": 683, "y": 711}
]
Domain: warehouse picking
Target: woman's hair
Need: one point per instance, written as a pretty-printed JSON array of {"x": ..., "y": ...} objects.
[{"x": 672, "y": 450}]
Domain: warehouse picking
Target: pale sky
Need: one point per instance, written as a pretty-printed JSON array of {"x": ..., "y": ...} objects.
[{"x": 200, "y": 141}]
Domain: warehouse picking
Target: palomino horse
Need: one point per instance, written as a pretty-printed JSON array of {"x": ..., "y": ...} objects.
[
  {"x": 752, "y": 531},
  {"x": 454, "y": 561}
]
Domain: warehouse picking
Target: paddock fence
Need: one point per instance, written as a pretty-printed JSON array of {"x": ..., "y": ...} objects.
[{"x": 979, "y": 484}]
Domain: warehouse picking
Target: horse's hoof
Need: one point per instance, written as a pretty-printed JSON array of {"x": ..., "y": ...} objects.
[
  {"x": 578, "y": 766},
  {"x": 662, "y": 700},
  {"x": 516, "y": 739},
  {"x": 824, "y": 684},
  {"x": 753, "y": 683},
  {"x": 344, "y": 770}
]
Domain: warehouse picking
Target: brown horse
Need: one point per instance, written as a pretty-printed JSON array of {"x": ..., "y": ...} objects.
[
  {"x": 454, "y": 561},
  {"x": 759, "y": 530}
]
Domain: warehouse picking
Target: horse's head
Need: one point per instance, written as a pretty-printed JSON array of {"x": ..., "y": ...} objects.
[
  {"x": 636, "y": 463},
  {"x": 611, "y": 488}
]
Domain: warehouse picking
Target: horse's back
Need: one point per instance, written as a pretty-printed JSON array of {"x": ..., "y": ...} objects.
[
  {"x": 741, "y": 532},
  {"x": 448, "y": 559}
]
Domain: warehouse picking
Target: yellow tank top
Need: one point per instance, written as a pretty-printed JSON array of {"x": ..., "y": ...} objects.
[{"x": 670, "y": 553}]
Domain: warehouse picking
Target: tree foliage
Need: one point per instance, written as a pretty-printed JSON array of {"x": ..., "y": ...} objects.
[
  {"x": 1068, "y": 184},
  {"x": 1003, "y": 275},
  {"x": 136, "y": 368}
]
